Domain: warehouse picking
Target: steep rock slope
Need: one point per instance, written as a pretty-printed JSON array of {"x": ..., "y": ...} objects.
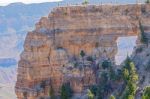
[
  {"x": 141, "y": 58},
  {"x": 60, "y": 38}
]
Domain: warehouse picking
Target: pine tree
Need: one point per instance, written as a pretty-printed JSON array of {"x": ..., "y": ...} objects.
[
  {"x": 66, "y": 91},
  {"x": 133, "y": 74},
  {"x": 126, "y": 74},
  {"x": 85, "y": 2},
  {"x": 127, "y": 62},
  {"x": 82, "y": 54},
  {"x": 131, "y": 78},
  {"x": 147, "y": 1},
  {"x": 144, "y": 40}
]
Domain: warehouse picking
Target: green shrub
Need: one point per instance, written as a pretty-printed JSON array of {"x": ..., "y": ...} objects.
[
  {"x": 93, "y": 89},
  {"x": 147, "y": 1},
  {"x": 139, "y": 50},
  {"x": 112, "y": 97},
  {"x": 112, "y": 74},
  {"x": 144, "y": 40},
  {"x": 130, "y": 79},
  {"x": 82, "y": 53},
  {"x": 66, "y": 91},
  {"x": 146, "y": 94},
  {"x": 89, "y": 58},
  {"x": 90, "y": 95},
  {"x": 106, "y": 64}
]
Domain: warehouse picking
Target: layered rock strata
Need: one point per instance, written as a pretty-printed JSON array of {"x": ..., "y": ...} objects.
[{"x": 50, "y": 48}]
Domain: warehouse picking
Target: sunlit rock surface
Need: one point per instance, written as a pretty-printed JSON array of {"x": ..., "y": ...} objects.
[{"x": 63, "y": 34}]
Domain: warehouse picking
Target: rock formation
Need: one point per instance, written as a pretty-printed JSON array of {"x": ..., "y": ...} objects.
[{"x": 50, "y": 50}]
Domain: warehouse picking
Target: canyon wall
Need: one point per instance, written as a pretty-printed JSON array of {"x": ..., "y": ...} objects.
[{"x": 49, "y": 50}]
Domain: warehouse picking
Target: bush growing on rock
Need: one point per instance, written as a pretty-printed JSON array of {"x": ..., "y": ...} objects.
[
  {"x": 106, "y": 64},
  {"x": 112, "y": 97},
  {"x": 82, "y": 53},
  {"x": 93, "y": 89},
  {"x": 90, "y": 94},
  {"x": 66, "y": 91},
  {"x": 119, "y": 75},
  {"x": 112, "y": 74},
  {"x": 146, "y": 94},
  {"x": 89, "y": 58}
]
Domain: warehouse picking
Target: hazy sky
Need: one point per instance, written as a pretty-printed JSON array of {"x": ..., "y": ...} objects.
[{"x": 6, "y": 2}]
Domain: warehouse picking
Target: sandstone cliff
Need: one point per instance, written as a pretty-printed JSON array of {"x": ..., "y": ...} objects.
[{"x": 50, "y": 50}]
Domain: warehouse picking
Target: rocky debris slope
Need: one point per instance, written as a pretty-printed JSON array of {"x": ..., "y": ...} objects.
[
  {"x": 141, "y": 58},
  {"x": 58, "y": 40},
  {"x": 7, "y": 82}
]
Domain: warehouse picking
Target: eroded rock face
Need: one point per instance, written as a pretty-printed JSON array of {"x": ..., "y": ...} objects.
[{"x": 49, "y": 49}]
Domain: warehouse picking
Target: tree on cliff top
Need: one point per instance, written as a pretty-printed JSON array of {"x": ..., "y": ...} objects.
[
  {"x": 144, "y": 40},
  {"x": 147, "y": 1},
  {"x": 85, "y": 2},
  {"x": 127, "y": 62}
]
